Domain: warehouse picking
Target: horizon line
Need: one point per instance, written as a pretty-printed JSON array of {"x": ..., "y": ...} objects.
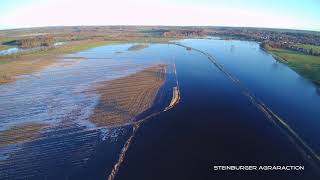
[{"x": 222, "y": 26}]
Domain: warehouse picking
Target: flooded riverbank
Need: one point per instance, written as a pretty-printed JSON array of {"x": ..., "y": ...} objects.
[
  {"x": 15, "y": 50},
  {"x": 203, "y": 114},
  {"x": 61, "y": 101}
]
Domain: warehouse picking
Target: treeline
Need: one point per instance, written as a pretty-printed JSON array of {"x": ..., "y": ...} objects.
[
  {"x": 309, "y": 51},
  {"x": 184, "y": 33},
  {"x": 31, "y": 42},
  {"x": 271, "y": 44},
  {"x": 34, "y": 42}
]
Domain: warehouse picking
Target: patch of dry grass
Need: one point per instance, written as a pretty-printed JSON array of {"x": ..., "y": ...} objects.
[
  {"x": 121, "y": 100},
  {"x": 20, "y": 133},
  {"x": 10, "y": 70}
]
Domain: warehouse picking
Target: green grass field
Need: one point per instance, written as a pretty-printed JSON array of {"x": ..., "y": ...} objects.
[
  {"x": 306, "y": 65},
  {"x": 309, "y": 46}
]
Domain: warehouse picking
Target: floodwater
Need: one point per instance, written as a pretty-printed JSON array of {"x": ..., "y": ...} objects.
[
  {"x": 238, "y": 106},
  {"x": 15, "y": 50}
]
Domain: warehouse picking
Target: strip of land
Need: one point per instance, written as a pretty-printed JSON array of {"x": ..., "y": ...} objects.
[
  {"x": 121, "y": 100},
  {"x": 306, "y": 65}
]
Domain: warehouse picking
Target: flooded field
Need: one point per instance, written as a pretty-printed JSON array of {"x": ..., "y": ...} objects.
[
  {"x": 85, "y": 100},
  {"x": 159, "y": 111},
  {"x": 15, "y": 50}
]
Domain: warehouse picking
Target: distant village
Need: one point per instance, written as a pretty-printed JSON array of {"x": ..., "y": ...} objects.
[
  {"x": 290, "y": 39},
  {"x": 276, "y": 38}
]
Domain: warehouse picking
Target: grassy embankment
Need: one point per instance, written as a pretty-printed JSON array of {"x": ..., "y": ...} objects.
[{"x": 306, "y": 65}]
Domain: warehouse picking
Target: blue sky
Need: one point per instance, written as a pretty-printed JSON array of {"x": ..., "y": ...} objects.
[{"x": 293, "y": 14}]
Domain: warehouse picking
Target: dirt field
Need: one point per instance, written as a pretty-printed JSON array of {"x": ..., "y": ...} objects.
[
  {"x": 9, "y": 71},
  {"x": 123, "y": 99}
]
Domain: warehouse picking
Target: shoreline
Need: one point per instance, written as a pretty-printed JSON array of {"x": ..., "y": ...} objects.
[
  {"x": 300, "y": 66},
  {"x": 30, "y": 62},
  {"x": 12, "y": 66}
]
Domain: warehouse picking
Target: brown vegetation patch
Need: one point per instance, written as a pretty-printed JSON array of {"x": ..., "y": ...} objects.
[
  {"x": 175, "y": 98},
  {"x": 121, "y": 100},
  {"x": 9, "y": 70},
  {"x": 20, "y": 133}
]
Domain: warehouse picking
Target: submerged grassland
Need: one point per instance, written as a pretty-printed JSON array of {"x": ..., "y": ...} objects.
[
  {"x": 121, "y": 100},
  {"x": 21, "y": 133}
]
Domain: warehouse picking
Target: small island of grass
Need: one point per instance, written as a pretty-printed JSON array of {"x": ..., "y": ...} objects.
[{"x": 137, "y": 47}]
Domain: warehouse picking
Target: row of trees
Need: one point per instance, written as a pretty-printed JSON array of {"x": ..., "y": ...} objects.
[
  {"x": 184, "y": 33},
  {"x": 35, "y": 42}
]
